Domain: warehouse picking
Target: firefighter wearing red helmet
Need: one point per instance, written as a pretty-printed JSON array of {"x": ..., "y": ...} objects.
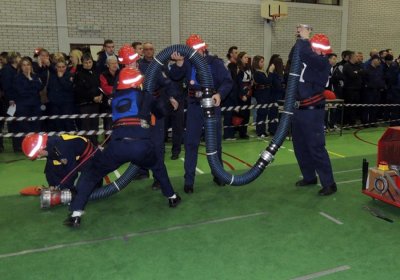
[
  {"x": 195, "y": 120},
  {"x": 320, "y": 44},
  {"x": 308, "y": 118},
  {"x": 63, "y": 154},
  {"x": 127, "y": 56},
  {"x": 130, "y": 142}
]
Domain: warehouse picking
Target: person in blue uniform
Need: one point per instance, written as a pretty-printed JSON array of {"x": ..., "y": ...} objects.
[
  {"x": 63, "y": 155},
  {"x": 130, "y": 142},
  {"x": 262, "y": 93},
  {"x": 195, "y": 119},
  {"x": 308, "y": 119},
  {"x": 164, "y": 103}
]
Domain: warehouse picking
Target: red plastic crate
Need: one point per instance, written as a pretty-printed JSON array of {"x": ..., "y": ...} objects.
[{"x": 389, "y": 146}]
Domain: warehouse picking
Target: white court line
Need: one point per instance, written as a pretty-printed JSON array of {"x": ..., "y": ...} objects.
[
  {"x": 323, "y": 273},
  {"x": 344, "y": 182},
  {"x": 117, "y": 174},
  {"x": 197, "y": 169},
  {"x": 349, "y": 181},
  {"x": 126, "y": 236},
  {"x": 346, "y": 171},
  {"x": 331, "y": 218}
]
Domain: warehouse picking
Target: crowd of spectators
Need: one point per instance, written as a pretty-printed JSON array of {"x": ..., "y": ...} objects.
[{"x": 60, "y": 84}]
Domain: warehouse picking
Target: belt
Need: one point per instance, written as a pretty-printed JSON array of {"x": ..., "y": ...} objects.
[
  {"x": 314, "y": 99},
  {"x": 128, "y": 139},
  {"x": 257, "y": 87},
  {"x": 127, "y": 122},
  {"x": 312, "y": 107},
  {"x": 195, "y": 93}
]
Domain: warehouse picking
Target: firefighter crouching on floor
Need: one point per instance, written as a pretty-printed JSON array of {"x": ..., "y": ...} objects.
[
  {"x": 130, "y": 142},
  {"x": 63, "y": 154},
  {"x": 308, "y": 119}
]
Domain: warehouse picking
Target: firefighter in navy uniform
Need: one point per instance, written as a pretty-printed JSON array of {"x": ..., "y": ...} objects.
[
  {"x": 308, "y": 118},
  {"x": 64, "y": 153},
  {"x": 130, "y": 142},
  {"x": 164, "y": 104},
  {"x": 195, "y": 119}
]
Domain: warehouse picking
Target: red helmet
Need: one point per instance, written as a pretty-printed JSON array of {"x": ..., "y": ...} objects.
[
  {"x": 33, "y": 143},
  {"x": 328, "y": 94},
  {"x": 321, "y": 42},
  {"x": 129, "y": 78},
  {"x": 127, "y": 55},
  {"x": 194, "y": 41}
]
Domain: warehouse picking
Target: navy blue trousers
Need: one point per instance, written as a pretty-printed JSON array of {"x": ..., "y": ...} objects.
[
  {"x": 309, "y": 145},
  {"x": 139, "y": 152},
  {"x": 194, "y": 130}
]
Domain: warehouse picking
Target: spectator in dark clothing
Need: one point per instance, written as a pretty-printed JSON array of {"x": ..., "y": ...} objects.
[
  {"x": 245, "y": 82},
  {"x": 26, "y": 97},
  {"x": 275, "y": 71},
  {"x": 262, "y": 93},
  {"x": 61, "y": 98},
  {"x": 352, "y": 77},
  {"x": 8, "y": 72},
  {"x": 3, "y": 103},
  {"x": 107, "y": 82},
  {"x": 108, "y": 50},
  {"x": 373, "y": 86},
  {"x": 88, "y": 96},
  {"x": 232, "y": 99}
]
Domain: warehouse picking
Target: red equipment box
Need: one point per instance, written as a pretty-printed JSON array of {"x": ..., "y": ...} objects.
[
  {"x": 383, "y": 182},
  {"x": 389, "y": 146}
]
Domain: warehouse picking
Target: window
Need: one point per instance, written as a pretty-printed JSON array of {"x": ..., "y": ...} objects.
[{"x": 323, "y": 2}]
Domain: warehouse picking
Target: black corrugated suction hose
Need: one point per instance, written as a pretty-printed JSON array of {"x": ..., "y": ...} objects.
[
  {"x": 149, "y": 87},
  {"x": 210, "y": 124},
  {"x": 268, "y": 154}
]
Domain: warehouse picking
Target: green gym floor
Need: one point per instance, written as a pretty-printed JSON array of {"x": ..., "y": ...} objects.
[{"x": 268, "y": 229}]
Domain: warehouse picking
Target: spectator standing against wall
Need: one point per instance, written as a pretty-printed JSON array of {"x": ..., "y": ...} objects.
[
  {"x": 245, "y": 92},
  {"x": 352, "y": 78},
  {"x": 108, "y": 50},
  {"x": 231, "y": 100},
  {"x": 26, "y": 97},
  {"x": 88, "y": 96},
  {"x": 61, "y": 97},
  {"x": 8, "y": 73}
]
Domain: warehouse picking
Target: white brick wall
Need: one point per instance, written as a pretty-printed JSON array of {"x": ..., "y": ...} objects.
[
  {"x": 27, "y": 24},
  {"x": 123, "y": 21},
  {"x": 222, "y": 25},
  {"x": 374, "y": 24},
  {"x": 283, "y": 33}
]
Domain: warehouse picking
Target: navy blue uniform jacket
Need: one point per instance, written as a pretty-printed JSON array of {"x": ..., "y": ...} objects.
[
  {"x": 221, "y": 76},
  {"x": 315, "y": 73}
]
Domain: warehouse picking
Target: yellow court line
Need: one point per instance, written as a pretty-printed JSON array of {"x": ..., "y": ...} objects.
[{"x": 335, "y": 154}]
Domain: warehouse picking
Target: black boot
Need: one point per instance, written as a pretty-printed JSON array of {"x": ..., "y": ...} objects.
[
  {"x": 73, "y": 222},
  {"x": 188, "y": 188},
  {"x": 156, "y": 185},
  {"x": 302, "y": 183},
  {"x": 173, "y": 202},
  {"x": 328, "y": 190}
]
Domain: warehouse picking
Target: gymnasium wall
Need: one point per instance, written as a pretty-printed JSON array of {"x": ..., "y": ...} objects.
[{"x": 358, "y": 25}]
